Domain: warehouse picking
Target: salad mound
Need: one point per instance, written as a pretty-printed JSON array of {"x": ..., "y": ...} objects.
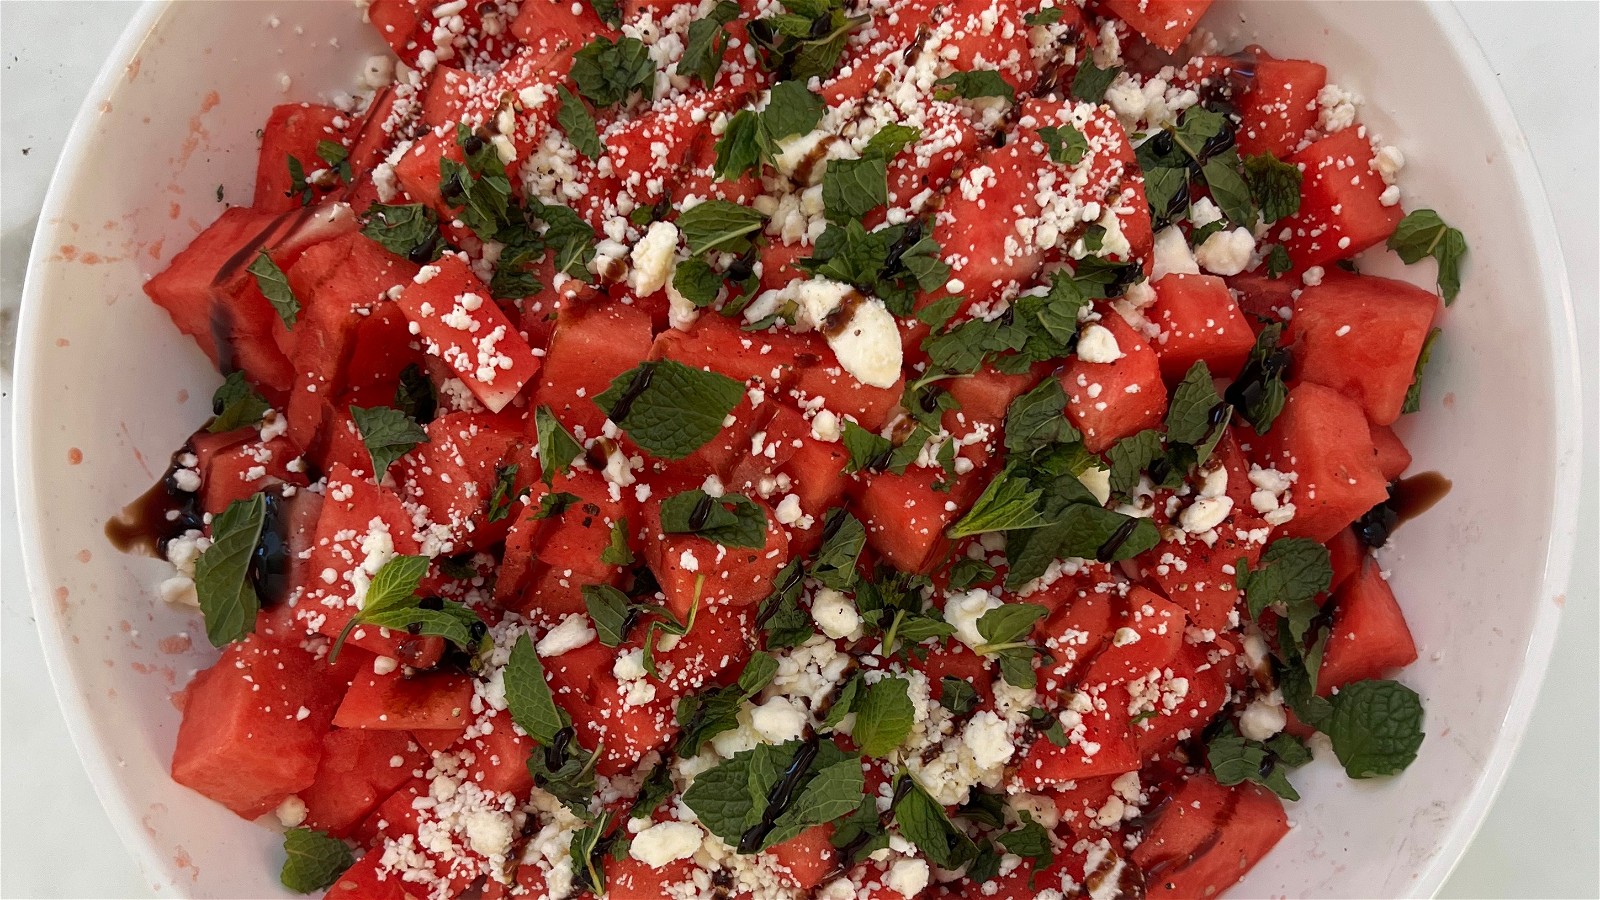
[{"x": 800, "y": 449}]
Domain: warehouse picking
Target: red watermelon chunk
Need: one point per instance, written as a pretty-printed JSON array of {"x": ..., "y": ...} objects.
[
  {"x": 1322, "y": 437},
  {"x": 1393, "y": 457},
  {"x": 461, "y": 324},
  {"x": 1250, "y": 823},
  {"x": 1164, "y": 23},
  {"x": 906, "y": 515},
  {"x": 243, "y": 469},
  {"x": 1199, "y": 322},
  {"x": 293, "y": 130},
  {"x": 1146, "y": 637},
  {"x": 807, "y": 858},
  {"x": 1174, "y": 716},
  {"x": 1340, "y": 210},
  {"x": 1361, "y": 336},
  {"x": 394, "y": 702},
  {"x": 253, "y": 725},
  {"x": 1080, "y": 624},
  {"x": 1099, "y": 742},
  {"x": 1280, "y": 105},
  {"x": 358, "y": 770},
  {"x": 1369, "y": 637},
  {"x": 590, "y": 347},
  {"x": 183, "y": 288},
  {"x": 1202, "y": 578},
  {"x": 692, "y": 569},
  {"x": 1110, "y": 401}
]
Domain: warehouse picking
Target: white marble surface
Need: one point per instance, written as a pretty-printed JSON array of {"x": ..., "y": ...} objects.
[{"x": 1541, "y": 838}]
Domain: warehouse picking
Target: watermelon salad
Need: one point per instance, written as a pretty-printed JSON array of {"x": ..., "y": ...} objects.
[{"x": 799, "y": 449}]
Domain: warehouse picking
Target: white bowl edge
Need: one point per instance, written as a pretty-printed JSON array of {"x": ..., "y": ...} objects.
[{"x": 92, "y": 743}]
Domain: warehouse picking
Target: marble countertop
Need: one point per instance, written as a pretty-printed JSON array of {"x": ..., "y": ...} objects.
[{"x": 1540, "y": 839}]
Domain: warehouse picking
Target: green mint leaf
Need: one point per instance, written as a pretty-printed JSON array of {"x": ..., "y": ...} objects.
[
  {"x": 1228, "y": 188},
  {"x": 1234, "y": 760},
  {"x": 1090, "y": 532},
  {"x": 569, "y": 236},
  {"x": 1167, "y": 188},
  {"x": 1413, "y": 401},
  {"x": 1049, "y": 15},
  {"x": 297, "y": 182},
  {"x": 719, "y": 225},
  {"x": 937, "y": 314},
  {"x": 966, "y": 572},
  {"x": 758, "y": 673},
  {"x": 835, "y": 791},
  {"x": 313, "y": 860},
  {"x": 742, "y": 146},
  {"x": 505, "y": 491},
  {"x": 484, "y": 200},
  {"x": 697, "y": 282},
  {"x": 1422, "y": 233},
  {"x": 533, "y": 707},
  {"x": 1010, "y": 622},
  {"x": 554, "y": 504},
  {"x": 731, "y": 520},
  {"x": 860, "y": 832},
  {"x": 617, "y": 552},
  {"x": 851, "y": 188},
  {"x": 780, "y": 617},
  {"x": 669, "y": 409},
  {"x": 274, "y": 286},
  {"x": 957, "y": 695},
  {"x": 394, "y": 585},
  {"x": 451, "y": 621},
  {"x": 835, "y": 565},
  {"x": 1278, "y": 262},
  {"x": 891, "y": 139},
  {"x": 1189, "y": 416},
  {"x": 228, "y": 599},
  {"x": 1289, "y": 750},
  {"x": 578, "y": 123},
  {"x": 707, "y": 42},
  {"x": 1291, "y": 571},
  {"x": 1259, "y": 392},
  {"x": 1131, "y": 456},
  {"x": 1376, "y": 728},
  {"x": 1030, "y": 841},
  {"x": 793, "y": 109},
  {"x": 607, "y": 71},
  {"x": 884, "y": 716},
  {"x": 1008, "y": 503},
  {"x": 1037, "y": 419},
  {"x": 557, "y": 447},
  {"x": 609, "y": 608},
  {"x": 1274, "y": 186},
  {"x": 867, "y": 450},
  {"x": 410, "y": 230},
  {"x": 336, "y": 156},
  {"x": 609, "y": 11},
  {"x": 588, "y": 853},
  {"x": 845, "y": 703},
  {"x": 414, "y": 395},
  {"x": 388, "y": 434},
  {"x": 923, "y": 822},
  {"x": 1064, "y": 143},
  {"x": 1091, "y": 82},
  {"x": 975, "y": 85},
  {"x": 236, "y": 404}
]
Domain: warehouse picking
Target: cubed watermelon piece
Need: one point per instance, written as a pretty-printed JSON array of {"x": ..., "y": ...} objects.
[
  {"x": 1184, "y": 824},
  {"x": 394, "y": 702},
  {"x": 649, "y": 150},
  {"x": 805, "y": 859},
  {"x": 1204, "y": 669},
  {"x": 591, "y": 345},
  {"x": 1252, "y": 821},
  {"x": 1341, "y": 211},
  {"x": 500, "y": 758},
  {"x": 1199, "y": 322},
  {"x": 1361, "y": 336},
  {"x": 906, "y": 515},
  {"x": 253, "y": 725},
  {"x": 1322, "y": 437},
  {"x": 293, "y": 130},
  {"x": 452, "y": 477},
  {"x": 1099, "y": 744},
  {"x": 1110, "y": 401},
  {"x": 1393, "y": 457},
  {"x": 244, "y": 469},
  {"x": 183, "y": 288},
  {"x": 1079, "y": 625},
  {"x": 1369, "y": 637},
  {"x": 550, "y": 23},
  {"x": 1201, "y": 577},
  {"x": 359, "y": 768},
  {"x": 1280, "y": 105},
  {"x": 629, "y": 879},
  {"x": 369, "y": 880},
  {"x": 1148, "y": 632},
  {"x": 1345, "y": 555},
  {"x": 1164, "y": 23},
  {"x": 693, "y": 569},
  {"x": 461, "y": 324}
]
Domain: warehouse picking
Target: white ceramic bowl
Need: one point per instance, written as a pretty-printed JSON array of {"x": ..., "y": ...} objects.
[{"x": 107, "y": 388}]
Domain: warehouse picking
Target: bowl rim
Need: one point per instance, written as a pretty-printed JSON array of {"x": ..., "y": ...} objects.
[{"x": 1567, "y": 410}]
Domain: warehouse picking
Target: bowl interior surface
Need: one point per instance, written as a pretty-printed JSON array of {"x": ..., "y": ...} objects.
[{"x": 107, "y": 388}]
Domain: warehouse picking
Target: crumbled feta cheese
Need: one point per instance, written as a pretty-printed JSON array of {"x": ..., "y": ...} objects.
[
  {"x": 1226, "y": 252},
  {"x": 653, "y": 258},
  {"x": 836, "y": 614},
  {"x": 1172, "y": 254},
  {"x": 665, "y": 842},
  {"x": 570, "y": 633},
  {"x": 1096, "y": 344}
]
